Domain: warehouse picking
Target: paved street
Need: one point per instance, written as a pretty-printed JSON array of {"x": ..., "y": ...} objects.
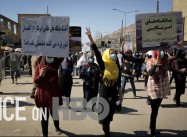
[{"x": 133, "y": 120}]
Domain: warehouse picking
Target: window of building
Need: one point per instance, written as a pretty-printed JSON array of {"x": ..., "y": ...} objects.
[
  {"x": 9, "y": 26},
  {"x": 15, "y": 29},
  {"x": 185, "y": 28},
  {"x": 1, "y": 24}
]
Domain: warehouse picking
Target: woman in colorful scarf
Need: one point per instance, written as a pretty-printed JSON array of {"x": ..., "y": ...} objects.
[
  {"x": 110, "y": 88},
  {"x": 157, "y": 85}
]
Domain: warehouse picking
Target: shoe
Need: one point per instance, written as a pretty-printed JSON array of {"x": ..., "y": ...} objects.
[
  {"x": 148, "y": 102},
  {"x": 157, "y": 132},
  {"x": 58, "y": 131},
  {"x": 107, "y": 134},
  {"x": 118, "y": 109},
  {"x": 32, "y": 96},
  {"x": 179, "y": 105},
  {"x": 12, "y": 82}
]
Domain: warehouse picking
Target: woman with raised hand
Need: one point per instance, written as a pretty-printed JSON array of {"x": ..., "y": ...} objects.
[
  {"x": 110, "y": 88},
  {"x": 158, "y": 85}
]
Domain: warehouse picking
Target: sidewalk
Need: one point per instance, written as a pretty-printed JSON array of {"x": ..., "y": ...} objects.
[{"x": 133, "y": 120}]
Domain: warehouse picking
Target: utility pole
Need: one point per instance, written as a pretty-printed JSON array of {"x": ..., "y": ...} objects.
[
  {"x": 157, "y": 9},
  {"x": 101, "y": 39},
  {"x": 47, "y": 9},
  {"x": 122, "y": 28},
  {"x": 125, "y": 12}
]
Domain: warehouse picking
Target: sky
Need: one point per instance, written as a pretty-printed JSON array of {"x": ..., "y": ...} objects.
[{"x": 96, "y": 14}]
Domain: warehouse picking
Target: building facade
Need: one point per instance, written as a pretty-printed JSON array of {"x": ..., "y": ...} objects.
[
  {"x": 10, "y": 28},
  {"x": 181, "y": 5}
]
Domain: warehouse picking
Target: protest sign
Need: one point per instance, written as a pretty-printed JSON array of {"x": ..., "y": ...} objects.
[
  {"x": 45, "y": 36},
  {"x": 127, "y": 46},
  {"x": 85, "y": 47},
  {"x": 158, "y": 30}
]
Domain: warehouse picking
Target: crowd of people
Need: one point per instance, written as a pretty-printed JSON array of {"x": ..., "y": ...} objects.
[{"x": 105, "y": 74}]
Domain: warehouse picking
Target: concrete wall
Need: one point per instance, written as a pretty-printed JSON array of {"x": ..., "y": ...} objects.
[{"x": 181, "y": 5}]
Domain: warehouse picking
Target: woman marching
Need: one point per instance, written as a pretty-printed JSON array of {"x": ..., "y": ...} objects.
[
  {"x": 46, "y": 79},
  {"x": 110, "y": 88},
  {"x": 157, "y": 85}
]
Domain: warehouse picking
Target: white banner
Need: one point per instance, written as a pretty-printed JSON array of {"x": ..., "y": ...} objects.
[
  {"x": 85, "y": 47},
  {"x": 45, "y": 36},
  {"x": 127, "y": 45}
]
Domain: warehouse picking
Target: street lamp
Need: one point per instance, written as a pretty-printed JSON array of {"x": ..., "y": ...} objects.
[
  {"x": 99, "y": 35},
  {"x": 125, "y": 12}
]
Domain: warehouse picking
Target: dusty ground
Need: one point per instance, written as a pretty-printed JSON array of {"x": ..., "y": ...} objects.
[{"x": 133, "y": 120}]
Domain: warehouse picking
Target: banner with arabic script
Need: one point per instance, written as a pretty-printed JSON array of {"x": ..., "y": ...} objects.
[
  {"x": 158, "y": 30},
  {"x": 45, "y": 36}
]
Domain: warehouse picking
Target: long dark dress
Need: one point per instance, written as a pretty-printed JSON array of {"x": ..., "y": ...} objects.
[
  {"x": 47, "y": 86},
  {"x": 89, "y": 72},
  {"x": 66, "y": 80},
  {"x": 180, "y": 78},
  {"x": 110, "y": 93}
]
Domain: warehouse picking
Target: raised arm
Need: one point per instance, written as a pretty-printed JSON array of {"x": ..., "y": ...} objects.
[
  {"x": 95, "y": 49},
  {"x": 123, "y": 55},
  {"x": 88, "y": 32}
]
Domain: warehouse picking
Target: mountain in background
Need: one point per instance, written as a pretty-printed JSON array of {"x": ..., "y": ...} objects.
[{"x": 114, "y": 37}]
